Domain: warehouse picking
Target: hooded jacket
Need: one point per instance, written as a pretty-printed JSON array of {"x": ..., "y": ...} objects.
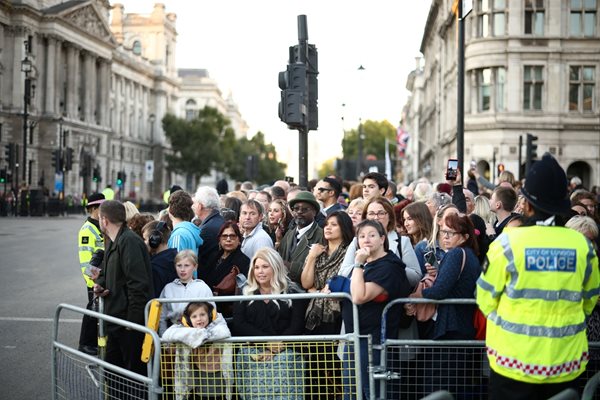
[{"x": 185, "y": 236}]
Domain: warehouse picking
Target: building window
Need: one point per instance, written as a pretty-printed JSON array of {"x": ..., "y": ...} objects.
[
  {"x": 137, "y": 47},
  {"x": 491, "y": 18},
  {"x": 534, "y": 17},
  {"x": 500, "y": 81},
  {"x": 581, "y": 88},
  {"x": 583, "y": 18},
  {"x": 191, "y": 109},
  {"x": 484, "y": 88},
  {"x": 533, "y": 84}
]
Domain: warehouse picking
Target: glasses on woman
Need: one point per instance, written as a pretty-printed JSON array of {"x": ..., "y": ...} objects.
[
  {"x": 378, "y": 214},
  {"x": 228, "y": 236},
  {"x": 449, "y": 234}
]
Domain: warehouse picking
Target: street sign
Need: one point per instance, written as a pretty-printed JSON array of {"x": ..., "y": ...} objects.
[
  {"x": 149, "y": 171},
  {"x": 467, "y": 7}
]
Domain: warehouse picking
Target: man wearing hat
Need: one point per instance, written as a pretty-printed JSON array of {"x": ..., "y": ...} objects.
[
  {"x": 540, "y": 283},
  {"x": 90, "y": 241},
  {"x": 296, "y": 243}
]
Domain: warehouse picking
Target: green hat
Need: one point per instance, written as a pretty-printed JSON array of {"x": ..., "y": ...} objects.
[{"x": 306, "y": 197}]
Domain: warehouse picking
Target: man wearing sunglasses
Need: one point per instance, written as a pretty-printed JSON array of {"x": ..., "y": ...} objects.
[
  {"x": 327, "y": 192},
  {"x": 296, "y": 243}
]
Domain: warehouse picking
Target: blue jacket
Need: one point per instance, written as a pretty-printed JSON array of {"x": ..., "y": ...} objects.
[
  {"x": 163, "y": 269},
  {"x": 185, "y": 236},
  {"x": 451, "y": 283},
  {"x": 210, "y": 227}
]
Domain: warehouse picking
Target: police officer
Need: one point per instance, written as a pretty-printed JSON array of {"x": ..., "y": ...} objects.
[
  {"x": 539, "y": 284},
  {"x": 90, "y": 241}
]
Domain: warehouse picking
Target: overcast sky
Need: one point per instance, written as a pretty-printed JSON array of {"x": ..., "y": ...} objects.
[{"x": 244, "y": 44}]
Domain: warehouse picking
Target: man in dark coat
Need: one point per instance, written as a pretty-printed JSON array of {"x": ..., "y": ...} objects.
[
  {"x": 296, "y": 243},
  {"x": 126, "y": 285},
  {"x": 206, "y": 208}
]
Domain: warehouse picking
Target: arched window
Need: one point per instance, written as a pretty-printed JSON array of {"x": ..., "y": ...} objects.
[
  {"x": 191, "y": 109},
  {"x": 137, "y": 47}
]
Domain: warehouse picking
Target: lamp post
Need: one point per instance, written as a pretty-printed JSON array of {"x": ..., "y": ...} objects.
[
  {"x": 152, "y": 119},
  {"x": 26, "y": 67},
  {"x": 359, "y": 161}
]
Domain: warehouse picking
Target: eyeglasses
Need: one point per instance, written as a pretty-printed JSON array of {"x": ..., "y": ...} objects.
[
  {"x": 231, "y": 236},
  {"x": 301, "y": 210},
  {"x": 449, "y": 234},
  {"x": 323, "y": 189},
  {"x": 378, "y": 214}
]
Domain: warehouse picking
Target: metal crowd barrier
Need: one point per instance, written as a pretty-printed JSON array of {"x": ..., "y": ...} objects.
[
  {"x": 304, "y": 366},
  {"x": 414, "y": 369},
  {"x": 76, "y": 375}
]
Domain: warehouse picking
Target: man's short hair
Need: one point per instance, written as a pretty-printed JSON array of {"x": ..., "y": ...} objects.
[
  {"x": 114, "y": 211},
  {"x": 208, "y": 197},
  {"x": 507, "y": 196},
  {"x": 335, "y": 185},
  {"x": 265, "y": 193},
  {"x": 380, "y": 179},
  {"x": 278, "y": 192},
  {"x": 254, "y": 204},
  {"x": 180, "y": 205}
]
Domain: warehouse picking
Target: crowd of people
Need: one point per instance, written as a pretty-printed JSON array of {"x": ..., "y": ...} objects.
[{"x": 373, "y": 239}]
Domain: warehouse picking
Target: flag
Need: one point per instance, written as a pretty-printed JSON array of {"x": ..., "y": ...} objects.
[
  {"x": 388, "y": 160},
  {"x": 402, "y": 138}
]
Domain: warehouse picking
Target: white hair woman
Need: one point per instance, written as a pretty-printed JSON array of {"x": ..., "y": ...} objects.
[{"x": 281, "y": 372}]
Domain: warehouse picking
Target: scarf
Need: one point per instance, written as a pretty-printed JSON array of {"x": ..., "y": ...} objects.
[{"x": 323, "y": 310}]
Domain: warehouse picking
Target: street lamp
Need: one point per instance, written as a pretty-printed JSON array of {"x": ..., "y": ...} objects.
[
  {"x": 26, "y": 67},
  {"x": 359, "y": 161}
]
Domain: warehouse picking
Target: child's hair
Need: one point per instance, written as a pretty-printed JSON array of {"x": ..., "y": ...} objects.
[
  {"x": 183, "y": 254},
  {"x": 195, "y": 305}
]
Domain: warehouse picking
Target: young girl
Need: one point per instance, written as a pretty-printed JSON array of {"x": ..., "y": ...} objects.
[
  {"x": 209, "y": 382},
  {"x": 184, "y": 287}
]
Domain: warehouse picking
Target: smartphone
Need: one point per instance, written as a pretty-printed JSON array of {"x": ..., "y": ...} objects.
[
  {"x": 473, "y": 164},
  {"x": 451, "y": 169},
  {"x": 431, "y": 259},
  {"x": 289, "y": 179}
]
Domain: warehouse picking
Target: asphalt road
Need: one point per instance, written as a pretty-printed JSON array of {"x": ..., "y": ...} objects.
[{"x": 39, "y": 269}]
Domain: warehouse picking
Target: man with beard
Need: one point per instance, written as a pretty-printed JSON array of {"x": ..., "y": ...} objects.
[
  {"x": 125, "y": 282},
  {"x": 296, "y": 243}
]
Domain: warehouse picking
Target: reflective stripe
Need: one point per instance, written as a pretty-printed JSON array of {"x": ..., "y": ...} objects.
[
  {"x": 590, "y": 256},
  {"x": 510, "y": 266},
  {"x": 537, "y": 330},
  {"x": 588, "y": 294},
  {"x": 539, "y": 294},
  {"x": 87, "y": 248},
  {"x": 539, "y": 370},
  {"x": 488, "y": 287}
]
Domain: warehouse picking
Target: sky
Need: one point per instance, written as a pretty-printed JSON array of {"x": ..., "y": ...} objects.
[{"x": 244, "y": 45}]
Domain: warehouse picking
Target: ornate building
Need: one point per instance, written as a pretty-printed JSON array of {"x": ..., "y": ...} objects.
[
  {"x": 96, "y": 88},
  {"x": 531, "y": 66}
]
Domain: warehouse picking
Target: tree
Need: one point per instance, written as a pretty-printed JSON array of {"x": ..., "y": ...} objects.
[
  {"x": 375, "y": 133},
  {"x": 327, "y": 168},
  {"x": 269, "y": 168}
]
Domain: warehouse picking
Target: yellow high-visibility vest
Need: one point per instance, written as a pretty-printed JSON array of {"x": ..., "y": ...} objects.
[
  {"x": 90, "y": 239},
  {"x": 539, "y": 285},
  {"x": 108, "y": 193}
]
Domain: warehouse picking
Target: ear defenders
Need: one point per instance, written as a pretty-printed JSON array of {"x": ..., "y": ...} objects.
[
  {"x": 156, "y": 237},
  {"x": 185, "y": 318}
]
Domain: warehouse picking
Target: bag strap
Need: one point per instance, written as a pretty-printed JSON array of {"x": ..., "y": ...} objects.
[
  {"x": 399, "y": 246},
  {"x": 463, "y": 261}
]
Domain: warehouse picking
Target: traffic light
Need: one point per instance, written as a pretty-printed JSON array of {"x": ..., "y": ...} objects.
[
  {"x": 10, "y": 155},
  {"x": 530, "y": 151},
  {"x": 96, "y": 174},
  {"x": 293, "y": 85},
  {"x": 3, "y": 175},
  {"x": 500, "y": 169},
  {"x": 56, "y": 160},
  {"x": 120, "y": 179},
  {"x": 69, "y": 159},
  {"x": 313, "y": 88}
]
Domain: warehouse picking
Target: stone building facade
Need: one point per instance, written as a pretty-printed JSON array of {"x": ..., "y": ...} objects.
[
  {"x": 531, "y": 66},
  {"x": 101, "y": 81}
]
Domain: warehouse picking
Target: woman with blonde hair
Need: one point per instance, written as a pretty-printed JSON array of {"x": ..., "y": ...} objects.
[
  {"x": 355, "y": 210},
  {"x": 280, "y": 372},
  {"x": 482, "y": 208}
]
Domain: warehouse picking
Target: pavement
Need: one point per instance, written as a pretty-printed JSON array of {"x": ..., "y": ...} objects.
[{"x": 39, "y": 269}]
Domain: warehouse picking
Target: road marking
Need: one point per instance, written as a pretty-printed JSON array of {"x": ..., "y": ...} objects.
[{"x": 22, "y": 319}]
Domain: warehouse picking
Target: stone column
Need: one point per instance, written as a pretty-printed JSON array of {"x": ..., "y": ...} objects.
[
  {"x": 71, "y": 80},
  {"x": 90, "y": 87},
  {"x": 51, "y": 82}
]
